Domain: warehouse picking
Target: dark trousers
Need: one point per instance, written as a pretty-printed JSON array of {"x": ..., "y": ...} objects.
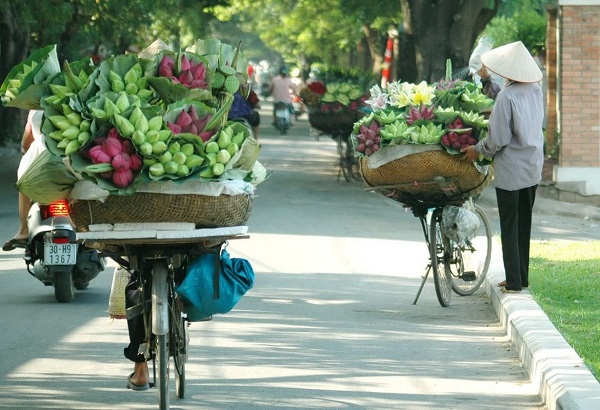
[
  {"x": 137, "y": 330},
  {"x": 515, "y": 209}
]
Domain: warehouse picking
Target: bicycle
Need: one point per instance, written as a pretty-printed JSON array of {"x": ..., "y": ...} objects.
[
  {"x": 457, "y": 267},
  {"x": 160, "y": 263}
]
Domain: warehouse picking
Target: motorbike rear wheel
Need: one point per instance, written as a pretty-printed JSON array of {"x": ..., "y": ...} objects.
[{"x": 64, "y": 288}]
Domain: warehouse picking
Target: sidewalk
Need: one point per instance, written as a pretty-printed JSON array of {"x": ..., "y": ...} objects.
[{"x": 562, "y": 380}]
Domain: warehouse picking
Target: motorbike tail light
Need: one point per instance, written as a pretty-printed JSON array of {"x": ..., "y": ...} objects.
[
  {"x": 60, "y": 240},
  {"x": 57, "y": 208}
]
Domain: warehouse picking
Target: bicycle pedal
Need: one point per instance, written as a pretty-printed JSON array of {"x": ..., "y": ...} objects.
[{"x": 469, "y": 276}]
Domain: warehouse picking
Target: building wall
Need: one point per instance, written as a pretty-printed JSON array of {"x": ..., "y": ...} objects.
[{"x": 579, "y": 96}]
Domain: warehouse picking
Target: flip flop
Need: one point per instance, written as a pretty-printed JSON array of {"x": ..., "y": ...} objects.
[
  {"x": 135, "y": 387},
  {"x": 14, "y": 243}
]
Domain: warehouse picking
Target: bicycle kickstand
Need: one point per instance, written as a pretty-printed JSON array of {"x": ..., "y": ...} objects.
[{"x": 428, "y": 269}]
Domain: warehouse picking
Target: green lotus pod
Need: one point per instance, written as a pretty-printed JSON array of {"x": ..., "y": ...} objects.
[
  {"x": 171, "y": 167},
  {"x": 187, "y": 149},
  {"x": 131, "y": 89},
  {"x": 142, "y": 124},
  {"x": 74, "y": 118},
  {"x": 122, "y": 102},
  {"x": 131, "y": 76},
  {"x": 183, "y": 170},
  {"x": 71, "y": 133},
  {"x": 155, "y": 123},
  {"x": 179, "y": 157},
  {"x": 194, "y": 161},
  {"x": 72, "y": 146},
  {"x": 146, "y": 149},
  {"x": 157, "y": 169},
  {"x": 211, "y": 148},
  {"x": 110, "y": 108},
  {"x": 123, "y": 125},
  {"x": 85, "y": 125},
  {"x": 164, "y": 135},
  {"x": 218, "y": 169},
  {"x": 118, "y": 86},
  {"x": 227, "y": 70},
  {"x": 83, "y": 137},
  {"x": 138, "y": 138},
  {"x": 231, "y": 84},
  {"x": 159, "y": 148},
  {"x": 224, "y": 140},
  {"x": 218, "y": 80}
]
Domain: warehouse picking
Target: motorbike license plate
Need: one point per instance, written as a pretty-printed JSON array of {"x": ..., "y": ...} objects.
[
  {"x": 281, "y": 113},
  {"x": 60, "y": 253}
]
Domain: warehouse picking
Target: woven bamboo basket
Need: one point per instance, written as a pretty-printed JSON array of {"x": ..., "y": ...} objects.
[
  {"x": 413, "y": 176},
  {"x": 145, "y": 207}
]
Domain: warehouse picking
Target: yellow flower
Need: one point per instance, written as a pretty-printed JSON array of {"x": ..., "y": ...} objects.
[{"x": 423, "y": 94}]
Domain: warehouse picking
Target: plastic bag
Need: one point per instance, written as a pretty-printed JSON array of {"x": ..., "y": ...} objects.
[
  {"x": 459, "y": 223},
  {"x": 485, "y": 44},
  {"x": 214, "y": 284}
]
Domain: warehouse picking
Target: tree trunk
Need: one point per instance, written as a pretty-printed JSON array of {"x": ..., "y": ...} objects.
[
  {"x": 14, "y": 45},
  {"x": 443, "y": 30},
  {"x": 375, "y": 48}
]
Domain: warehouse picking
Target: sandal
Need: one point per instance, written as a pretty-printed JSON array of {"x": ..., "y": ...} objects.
[
  {"x": 135, "y": 387},
  {"x": 14, "y": 243}
]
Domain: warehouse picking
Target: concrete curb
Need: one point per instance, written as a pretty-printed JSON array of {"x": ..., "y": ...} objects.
[{"x": 562, "y": 379}]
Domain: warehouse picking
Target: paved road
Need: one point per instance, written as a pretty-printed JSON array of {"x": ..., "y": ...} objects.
[{"x": 330, "y": 323}]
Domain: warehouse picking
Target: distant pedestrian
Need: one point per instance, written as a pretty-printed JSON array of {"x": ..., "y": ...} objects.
[{"x": 516, "y": 142}]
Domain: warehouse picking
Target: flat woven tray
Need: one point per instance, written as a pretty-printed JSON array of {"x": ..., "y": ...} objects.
[
  {"x": 144, "y": 207},
  {"x": 334, "y": 124},
  {"x": 414, "y": 176}
]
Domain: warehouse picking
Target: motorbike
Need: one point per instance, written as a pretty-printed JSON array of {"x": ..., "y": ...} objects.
[
  {"x": 282, "y": 117},
  {"x": 53, "y": 255},
  {"x": 298, "y": 105}
]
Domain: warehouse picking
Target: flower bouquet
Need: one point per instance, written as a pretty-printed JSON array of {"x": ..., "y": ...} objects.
[
  {"x": 333, "y": 108},
  {"x": 138, "y": 123},
  {"x": 416, "y": 131}
]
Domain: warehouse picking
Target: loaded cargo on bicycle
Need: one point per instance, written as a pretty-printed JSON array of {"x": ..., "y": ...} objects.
[{"x": 155, "y": 175}]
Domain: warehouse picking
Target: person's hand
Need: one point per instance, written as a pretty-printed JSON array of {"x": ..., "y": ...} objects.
[
  {"x": 470, "y": 153},
  {"x": 483, "y": 73}
]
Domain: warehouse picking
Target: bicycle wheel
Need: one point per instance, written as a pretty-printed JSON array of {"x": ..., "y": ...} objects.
[
  {"x": 160, "y": 327},
  {"x": 179, "y": 339},
  {"x": 438, "y": 252},
  {"x": 473, "y": 258}
]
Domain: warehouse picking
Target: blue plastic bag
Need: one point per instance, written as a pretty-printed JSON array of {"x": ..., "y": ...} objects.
[{"x": 214, "y": 284}]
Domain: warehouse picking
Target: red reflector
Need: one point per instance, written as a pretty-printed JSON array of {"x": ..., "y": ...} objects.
[
  {"x": 60, "y": 240},
  {"x": 59, "y": 208}
]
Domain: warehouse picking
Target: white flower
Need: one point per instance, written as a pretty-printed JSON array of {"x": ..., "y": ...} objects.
[{"x": 378, "y": 100}]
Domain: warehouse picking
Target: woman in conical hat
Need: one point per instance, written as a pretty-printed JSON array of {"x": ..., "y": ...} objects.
[{"x": 515, "y": 141}]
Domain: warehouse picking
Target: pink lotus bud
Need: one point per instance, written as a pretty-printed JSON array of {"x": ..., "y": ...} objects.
[
  {"x": 98, "y": 156},
  {"x": 174, "y": 127},
  {"x": 193, "y": 113},
  {"x": 200, "y": 123},
  {"x": 136, "y": 162},
  {"x": 198, "y": 84},
  {"x": 198, "y": 71},
  {"x": 113, "y": 133},
  {"x": 175, "y": 80},
  {"x": 106, "y": 175},
  {"x": 122, "y": 177},
  {"x": 185, "y": 77},
  {"x": 206, "y": 135},
  {"x": 165, "y": 69},
  {"x": 185, "y": 63},
  {"x": 112, "y": 146},
  {"x": 127, "y": 146},
  {"x": 191, "y": 128},
  {"x": 183, "y": 119},
  {"x": 121, "y": 161},
  {"x": 99, "y": 140}
]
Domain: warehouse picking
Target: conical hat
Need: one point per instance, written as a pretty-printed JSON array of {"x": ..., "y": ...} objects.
[{"x": 514, "y": 62}]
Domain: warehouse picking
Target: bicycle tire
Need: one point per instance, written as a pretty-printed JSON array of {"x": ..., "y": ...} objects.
[
  {"x": 160, "y": 320},
  {"x": 179, "y": 338},
  {"x": 438, "y": 253},
  {"x": 475, "y": 258}
]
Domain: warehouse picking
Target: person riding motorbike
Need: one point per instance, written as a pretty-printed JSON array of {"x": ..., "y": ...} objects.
[
  {"x": 282, "y": 88},
  {"x": 32, "y": 144}
]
